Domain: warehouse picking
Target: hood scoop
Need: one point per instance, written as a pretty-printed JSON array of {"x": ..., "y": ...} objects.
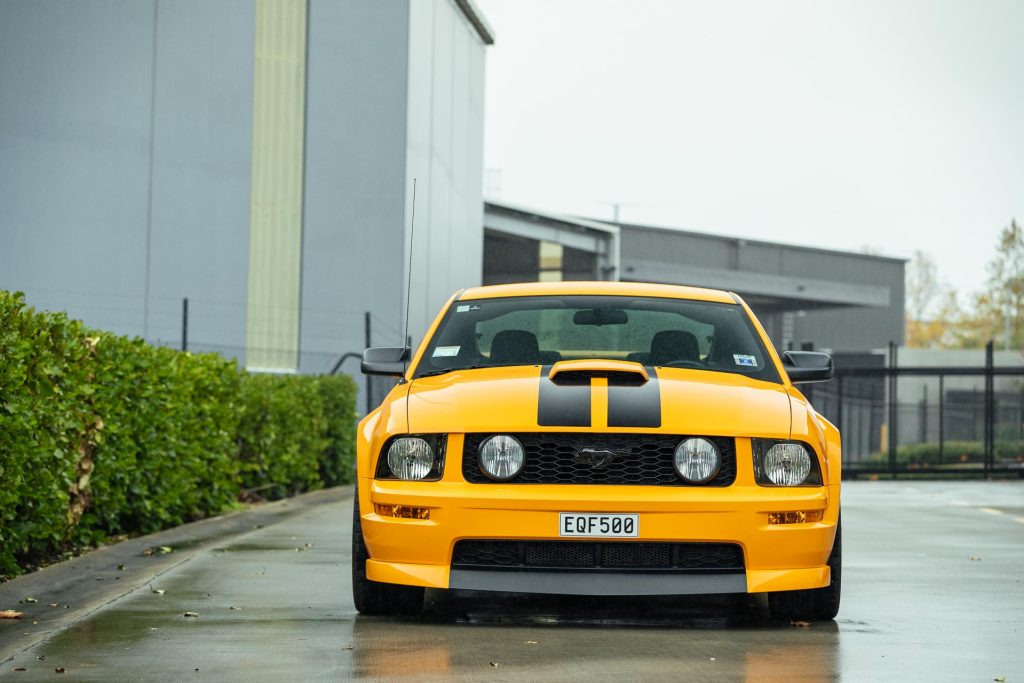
[{"x": 618, "y": 372}]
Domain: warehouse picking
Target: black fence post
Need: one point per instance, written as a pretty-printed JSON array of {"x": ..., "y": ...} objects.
[
  {"x": 924, "y": 414},
  {"x": 942, "y": 415},
  {"x": 893, "y": 412},
  {"x": 369, "y": 379},
  {"x": 839, "y": 402},
  {"x": 184, "y": 324},
  {"x": 990, "y": 408}
]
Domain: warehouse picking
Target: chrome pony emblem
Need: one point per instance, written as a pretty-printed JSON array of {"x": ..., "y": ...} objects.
[{"x": 595, "y": 457}]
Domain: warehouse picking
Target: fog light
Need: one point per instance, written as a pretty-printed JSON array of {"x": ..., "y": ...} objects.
[
  {"x": 402, "y": 511},
  {"x": 795, "y": 517},
  {"x": 501, "y": 457},
  {"x": 697, "y": 460}
]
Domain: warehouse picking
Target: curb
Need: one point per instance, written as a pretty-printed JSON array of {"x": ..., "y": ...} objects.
[{"x": 69, "y": 591}]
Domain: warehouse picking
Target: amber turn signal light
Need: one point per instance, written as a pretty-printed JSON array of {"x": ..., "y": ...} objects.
[
  {"x": 403, "y": 511},
  {"x": 795, "y": 517}
]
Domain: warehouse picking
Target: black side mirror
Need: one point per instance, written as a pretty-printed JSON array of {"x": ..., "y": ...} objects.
[
  {"x": 808, "y": 366},
  {"x": 385, "y": 360}
]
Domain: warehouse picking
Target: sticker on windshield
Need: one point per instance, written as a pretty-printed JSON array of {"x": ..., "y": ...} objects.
[
  {"x": 446, "y": 351},
  {"x": 466, "y": 307},
  {"x": 742, "y": 360}
]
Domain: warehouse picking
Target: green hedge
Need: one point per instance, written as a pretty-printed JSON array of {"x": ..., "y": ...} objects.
[
  {"x": 102, "y": 435},
  {"x": 953, "y": 452}
]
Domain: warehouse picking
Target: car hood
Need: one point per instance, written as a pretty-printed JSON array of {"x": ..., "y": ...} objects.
[{"x": 673, "y": 401}]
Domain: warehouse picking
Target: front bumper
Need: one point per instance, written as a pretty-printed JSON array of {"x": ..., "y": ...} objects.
[{"x": 776, "y": 557}]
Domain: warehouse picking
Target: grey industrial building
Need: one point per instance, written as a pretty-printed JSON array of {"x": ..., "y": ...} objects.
[
  {"x": 843, "y": 302},
  {"x": 254, "y": 156}
]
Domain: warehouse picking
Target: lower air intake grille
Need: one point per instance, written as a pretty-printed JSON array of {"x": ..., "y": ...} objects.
[{"x": 598, "y": 555}]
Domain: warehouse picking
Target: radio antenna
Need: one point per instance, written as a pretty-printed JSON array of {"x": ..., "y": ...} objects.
[
  {"x": 408, "y": 276},
  {"x": 408, "y": 296}
]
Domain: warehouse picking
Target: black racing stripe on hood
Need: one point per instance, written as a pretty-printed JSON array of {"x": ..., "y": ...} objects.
[
  {"x": 566, "y": 404},
  {"x": 635, "y": 406}
]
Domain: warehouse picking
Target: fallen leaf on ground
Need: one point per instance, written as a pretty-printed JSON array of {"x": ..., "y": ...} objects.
[
  {"x": 166, "y": 549},
  {"x": 10, "y": 614},
  {"x": 159, "y": 591},
  {"x": 801, "y": 624},
  {"x": 190, "y": 614}
]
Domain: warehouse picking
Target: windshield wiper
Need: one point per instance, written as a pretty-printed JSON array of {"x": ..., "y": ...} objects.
[{"x": 434, "y": 373}]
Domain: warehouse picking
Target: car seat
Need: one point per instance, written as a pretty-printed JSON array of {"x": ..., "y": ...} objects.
[{"x": 669, "y": 346}]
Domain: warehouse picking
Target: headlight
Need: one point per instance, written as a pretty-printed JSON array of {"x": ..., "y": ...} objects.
[
  {"x": 697, "y": 460},
  {"x": 501, "y": 457},
  {"x": 411, "y": 458},
  {"x": 785, "y": 463}
]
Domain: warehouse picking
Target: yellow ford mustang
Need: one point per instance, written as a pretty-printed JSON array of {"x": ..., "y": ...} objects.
[{"x": 597, "y": 438}]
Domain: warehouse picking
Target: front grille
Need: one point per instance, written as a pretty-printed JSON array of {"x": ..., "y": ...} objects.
[
  {"x": 598, "y": 555},
  {"x": 641, "y": 459}
]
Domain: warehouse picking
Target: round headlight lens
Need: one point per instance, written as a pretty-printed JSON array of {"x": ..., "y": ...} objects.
[
  {"x": 787, "y": 464},
  {"x": 501, "y": 457},
  {"x": 697, "y": 460},
  {"x": 411, "y": 458}
]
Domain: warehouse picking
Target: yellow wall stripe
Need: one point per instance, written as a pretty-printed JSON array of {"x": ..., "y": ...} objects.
[{"x": 275, "y": 222}]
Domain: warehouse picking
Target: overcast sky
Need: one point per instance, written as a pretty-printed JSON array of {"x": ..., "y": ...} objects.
[{"x": 887, "y": 125}]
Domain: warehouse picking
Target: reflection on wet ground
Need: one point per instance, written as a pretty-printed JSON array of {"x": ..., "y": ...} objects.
[
  {"x": 592, "y": 639},
  {"x": 934, "y": 590}
]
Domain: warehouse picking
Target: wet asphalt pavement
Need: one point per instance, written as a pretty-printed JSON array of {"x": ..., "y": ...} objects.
[{"x": 933, "y": 590}]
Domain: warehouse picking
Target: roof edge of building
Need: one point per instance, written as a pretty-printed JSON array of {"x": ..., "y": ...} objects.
[
  {"x": 729, "y": 238},
  {"x": 477, "y": 19}
]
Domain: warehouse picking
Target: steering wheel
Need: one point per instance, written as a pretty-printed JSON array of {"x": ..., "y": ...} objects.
[{"x": 685, "y": 364}]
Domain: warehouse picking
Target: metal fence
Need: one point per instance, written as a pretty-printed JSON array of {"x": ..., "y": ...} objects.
[{"x": 937, "y": 421}]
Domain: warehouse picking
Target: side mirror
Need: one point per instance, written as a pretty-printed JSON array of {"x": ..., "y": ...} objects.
[
  {"x": 808, "y": 366},
  {"x": 385, "y": 360}
]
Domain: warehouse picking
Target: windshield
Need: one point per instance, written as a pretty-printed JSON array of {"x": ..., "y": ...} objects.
[{"x": 544, "y": 330}]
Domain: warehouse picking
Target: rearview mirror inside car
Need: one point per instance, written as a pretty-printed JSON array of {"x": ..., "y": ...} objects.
[{"x": 601, "y": 316}]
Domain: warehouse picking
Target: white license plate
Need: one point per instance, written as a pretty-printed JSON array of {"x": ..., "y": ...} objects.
[{"x": 598, "y": 525}]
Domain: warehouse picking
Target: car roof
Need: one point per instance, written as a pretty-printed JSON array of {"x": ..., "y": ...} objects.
[{"x": 598, "y": 289}]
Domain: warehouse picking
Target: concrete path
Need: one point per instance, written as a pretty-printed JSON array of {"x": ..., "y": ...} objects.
[{"x": 934, "y": 590}]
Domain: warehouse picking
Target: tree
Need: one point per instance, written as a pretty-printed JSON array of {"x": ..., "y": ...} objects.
[
  {"x": 930, "y": 305},
  {"x": 998, "y": 311}
]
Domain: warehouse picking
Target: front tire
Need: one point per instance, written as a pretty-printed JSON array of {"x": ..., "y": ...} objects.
[
  {"x": 815, "y": 604},
  {"x": 373, "y": 597}
]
